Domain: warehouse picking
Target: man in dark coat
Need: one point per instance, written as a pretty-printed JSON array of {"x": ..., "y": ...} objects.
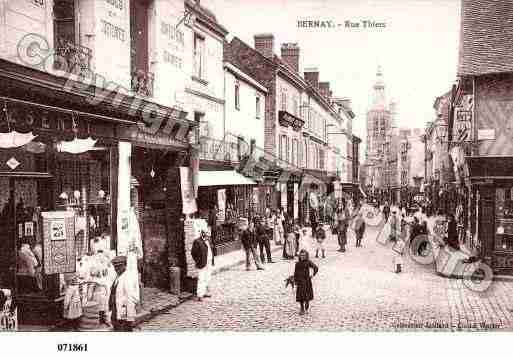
[
  {"x": 263, "y": 241},
  {"x": 202, "y": 253},
  {"x": 386, "y": 211},
  {"x": 249, "y": 243}
]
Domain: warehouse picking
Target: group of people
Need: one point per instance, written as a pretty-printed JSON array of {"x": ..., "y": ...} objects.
[
  {"x": 404, "y": 227},
  {"x": 257, "y": 233}
]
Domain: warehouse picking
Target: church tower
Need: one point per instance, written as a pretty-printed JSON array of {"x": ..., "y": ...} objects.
[{"x": 380, "y": 153}]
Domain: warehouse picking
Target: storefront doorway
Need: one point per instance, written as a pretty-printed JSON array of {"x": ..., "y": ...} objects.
[{"x": 21, "y": 202}]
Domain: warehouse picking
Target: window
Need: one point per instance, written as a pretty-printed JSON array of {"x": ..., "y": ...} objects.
[
  {"x": 321, "y": 159},
  {"x": 300, "y": 155},
  {"x": 280, "y": 148},
  {"x": 283, "y": 101},
  {"x": 257, "y": 106},
  {"x": 287, "y": 149},
  {"x": 296, "y": 107},
  {"x": 237, "y": 95},
  {"x": 306, "y": 153},
  {"x": 294, "y": 152},
  {"x": 199, "y": 56}
]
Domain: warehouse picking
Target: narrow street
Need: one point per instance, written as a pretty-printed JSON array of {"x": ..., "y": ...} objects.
[{"x": 356, "y": 290}]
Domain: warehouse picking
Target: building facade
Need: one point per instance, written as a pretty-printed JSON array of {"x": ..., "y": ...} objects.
[
  {"x": 91, "y": 144},
  {"x": 480, "y": 132}
]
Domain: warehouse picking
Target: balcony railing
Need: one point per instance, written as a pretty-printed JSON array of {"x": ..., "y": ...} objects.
[
  {"x": 142, "y": 83},
  {"x": 76, "y": 58},
  {"x": 218, "y": 150}
]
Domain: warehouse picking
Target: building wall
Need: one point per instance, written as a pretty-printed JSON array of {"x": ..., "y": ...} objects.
[
  {"x": 244, "y": 121},
  {"x": 263, "y": 70},
  {"x": 493, "y": 111},
  {"x": 110, "y": 64},
  {"x": 206, "y": 95},
  {"x": 288, "y": 98}
]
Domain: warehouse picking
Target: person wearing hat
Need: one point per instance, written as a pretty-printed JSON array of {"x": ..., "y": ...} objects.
[
  {"x": 249, "y": 243},
  {"x": 123, "y": 297},
  {"x": 203, "y": 255},
  {"x": 263, "y": 241}
]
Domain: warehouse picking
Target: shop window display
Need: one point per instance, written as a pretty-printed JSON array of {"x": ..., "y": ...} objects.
[{"x": 504, "y": 219}]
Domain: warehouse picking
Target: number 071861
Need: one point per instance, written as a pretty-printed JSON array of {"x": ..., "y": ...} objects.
[{"x": 68, "y": 347}]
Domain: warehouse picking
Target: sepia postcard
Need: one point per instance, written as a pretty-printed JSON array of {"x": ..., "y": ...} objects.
[{"x": 255, "y": 166}]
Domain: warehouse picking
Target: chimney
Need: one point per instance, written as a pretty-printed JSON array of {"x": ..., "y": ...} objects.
[
  {"x": 324, "y": 89},
  {"x": 312, "y": 77},
  {"x": 264, "y": 43},
  {"x": 290, "y": 54}
]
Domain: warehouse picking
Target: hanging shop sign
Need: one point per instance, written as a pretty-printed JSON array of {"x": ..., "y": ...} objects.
[
  {"x": 462, "y": 125},
  {"x": 221, "y": 205},
  {"x": 286, "y": 119},
  {"x": 59, "y": 242},
  {"x": 188, "y": 197}
]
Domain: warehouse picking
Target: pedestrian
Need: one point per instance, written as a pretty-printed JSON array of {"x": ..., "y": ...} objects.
[
  {"x": 452, "y": 233},
  {"x": 297, "y": 239},
  {"x": 359, "y": 228},
  {"x": 394, "y": 226},
  {"x": 386, "y": 211},
  {"x": 124, "y": 296},
  {"x": 278, "y": 227},
  {"x": 303, "y": 281},
  {"x": 289, "y": 250},
  {"x": 203, "y": 255},
  {"x": 263, "y": 239},
  {"x": 343, "y": 222},
  {"x": 398, "y": 249},
  {"x": 249, "y": 243},
  {"x": 320, "y": 237}
]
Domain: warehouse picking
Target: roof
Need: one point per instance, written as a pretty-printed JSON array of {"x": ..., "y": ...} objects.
[
  {"x": 207, "y": 17},
  {"x": 486, "y": 37}
]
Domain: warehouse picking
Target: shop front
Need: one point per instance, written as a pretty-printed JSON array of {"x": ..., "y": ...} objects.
[
  {"x": 57, "y": 174},
  {"x": 492, "y": 181},
  {"x": 224, "y": 196},
  {"x": 65, "y": 204}
]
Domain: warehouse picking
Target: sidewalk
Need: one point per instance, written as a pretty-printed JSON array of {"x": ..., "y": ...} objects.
[{"x": 156, "y": 301}]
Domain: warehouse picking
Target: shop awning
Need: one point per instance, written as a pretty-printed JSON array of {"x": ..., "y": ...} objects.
[{"x": 222, "y": 178}]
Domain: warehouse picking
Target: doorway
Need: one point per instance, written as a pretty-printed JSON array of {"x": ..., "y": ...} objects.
[{"x": 20, "y": 234}]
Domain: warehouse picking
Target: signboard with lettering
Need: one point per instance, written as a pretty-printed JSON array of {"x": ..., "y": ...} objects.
[
  {"x": 286, "y": 119},
  {"x": 486, "y": 134},
  {"x": 58, "y": 242},
  {"x": 462, "y": 125}
]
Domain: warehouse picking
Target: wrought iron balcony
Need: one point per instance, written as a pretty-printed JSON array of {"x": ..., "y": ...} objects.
[
  {"x": 142, "y": 83},
  {"x": 218, "y": 150},
  {"x": 72, "y": 57}
]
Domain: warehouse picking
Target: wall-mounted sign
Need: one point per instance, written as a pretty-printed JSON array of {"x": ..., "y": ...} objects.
[
  {"x": 463, "y": 124},
  {"x": 286, "y": 119},
  {"x": 59, "y": 242},
  {"x": 486, "y": 134}
]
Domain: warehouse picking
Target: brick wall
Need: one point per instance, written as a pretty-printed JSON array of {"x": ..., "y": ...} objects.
[{"x": 263, "y": 70}]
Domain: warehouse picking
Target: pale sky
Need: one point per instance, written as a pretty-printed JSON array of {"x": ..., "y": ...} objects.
[{"x": 417, "y": 49}]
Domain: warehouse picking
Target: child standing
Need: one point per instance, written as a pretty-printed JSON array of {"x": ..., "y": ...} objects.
[
  {"x": 359, "y": 228},
  {"x": 303, "y": 281},
  {"x": 398, "y": 248},
  {"x": 320, "y": 237}
]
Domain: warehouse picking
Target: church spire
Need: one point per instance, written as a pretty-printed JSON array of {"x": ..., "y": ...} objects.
[{"x": 378, "y": 99}]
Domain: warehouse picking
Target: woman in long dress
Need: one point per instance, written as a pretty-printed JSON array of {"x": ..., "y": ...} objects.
[
  {"x": 303, "y": 280},
  {"x": 290, "y": 238}
]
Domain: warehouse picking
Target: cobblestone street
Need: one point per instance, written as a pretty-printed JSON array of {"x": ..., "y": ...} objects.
[{"x": 356, "y": 290}]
